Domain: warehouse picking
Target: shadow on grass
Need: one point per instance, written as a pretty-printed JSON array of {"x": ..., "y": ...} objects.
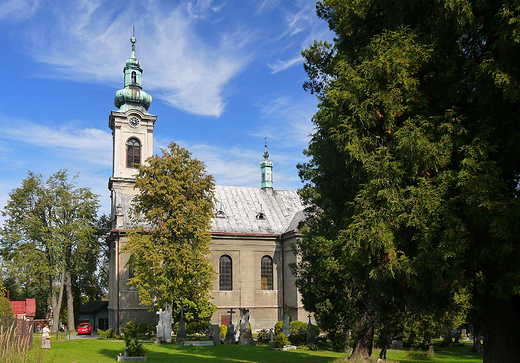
[{"x": 229, "y": 353}]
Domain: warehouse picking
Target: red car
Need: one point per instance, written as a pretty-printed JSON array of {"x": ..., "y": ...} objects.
[{"x": 84, "y": 328}]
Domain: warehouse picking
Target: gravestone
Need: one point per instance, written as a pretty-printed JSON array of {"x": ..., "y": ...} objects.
[
  {"x": 286, "y": 327},
  {"x": 230, "y": 335},
  {"x": 216, "y": 334},
  {"x": 167, "y": 321},
  {"x": 160, "y": 328},
  {"x": 310, "y": 331},
  {"x": 271, "y": 341},
  {"x": 397, "y": 344},
  {"x": 181, "y": 330},
  {"x": 246, "y": 335}
]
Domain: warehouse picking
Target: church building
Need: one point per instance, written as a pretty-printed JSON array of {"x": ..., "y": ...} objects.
[{"x": 252, "y": 228}]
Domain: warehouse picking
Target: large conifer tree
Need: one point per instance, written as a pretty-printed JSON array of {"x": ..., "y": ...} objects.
[{"x": 414, "y": 170}]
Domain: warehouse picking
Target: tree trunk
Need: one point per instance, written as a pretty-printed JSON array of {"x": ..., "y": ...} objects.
[
  {"x": 56, "y": 305},
  {"x": 70, "y": 306},
  {"x": 501, "y": 330},
  {"x": 364, "y": 336},
  {"x": 447, "y": 341},
  {"x": 477, "y": 336}
]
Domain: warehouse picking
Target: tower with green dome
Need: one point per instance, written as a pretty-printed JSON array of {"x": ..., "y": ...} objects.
[
  {"x": 266, "y": 168},
  {"x": 132, "y": 136},
  {"x": 132, "y": 126}
]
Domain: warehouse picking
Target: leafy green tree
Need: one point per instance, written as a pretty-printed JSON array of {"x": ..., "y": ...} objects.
[
  {"x": 170, "y": 260},
  {"x": 5, "y": 305},
  {"x": 48, "y": 223},
  {"x": 414, "y": 170}
]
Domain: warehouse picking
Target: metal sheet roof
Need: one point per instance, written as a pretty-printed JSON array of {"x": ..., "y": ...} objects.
[{"x": 253, "y": 210}]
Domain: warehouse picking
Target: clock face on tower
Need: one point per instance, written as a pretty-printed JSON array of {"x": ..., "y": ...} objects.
[{"x": 134, "y": 122}]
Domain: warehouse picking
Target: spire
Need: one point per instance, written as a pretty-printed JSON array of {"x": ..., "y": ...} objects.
[
  {"x": 266, "y": 168},
  {"x": 132, "y": 95}
]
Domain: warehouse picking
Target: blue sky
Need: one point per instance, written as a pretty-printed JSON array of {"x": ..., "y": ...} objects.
[{"x": 223, "y": 75}]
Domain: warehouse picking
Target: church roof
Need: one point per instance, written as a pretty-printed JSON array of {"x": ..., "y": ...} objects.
[{"x": 254, "y": 210}]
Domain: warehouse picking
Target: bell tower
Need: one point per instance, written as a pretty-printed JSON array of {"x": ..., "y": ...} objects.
[
  {"x": 132, "y": 142},
  {"x": 132, "y": 139}
]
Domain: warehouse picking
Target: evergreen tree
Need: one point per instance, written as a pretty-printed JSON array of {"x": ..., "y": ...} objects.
[{"x": 414, "y": 169}]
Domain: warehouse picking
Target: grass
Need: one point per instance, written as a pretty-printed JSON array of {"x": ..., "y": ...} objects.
[{"x": 94, "y": 350}]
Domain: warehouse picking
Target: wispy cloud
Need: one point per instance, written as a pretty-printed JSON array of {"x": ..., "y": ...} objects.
[
  {"x": 90, "y": 146},
  {"x": 16, "y": 10},
  {"x": 88, "y": 41},
  {"x": 283, "y": 65}
]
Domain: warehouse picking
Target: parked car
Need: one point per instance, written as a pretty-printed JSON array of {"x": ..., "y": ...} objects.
[{"x": 84, "y": 328}]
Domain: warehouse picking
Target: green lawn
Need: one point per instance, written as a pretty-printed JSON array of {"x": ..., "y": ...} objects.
[{"x": 94, "y": 350}]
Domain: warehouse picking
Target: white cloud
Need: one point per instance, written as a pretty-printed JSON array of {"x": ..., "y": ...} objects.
[
  {"x": 90, "y": 146},
  {"x": 89, "y": 41},
  {"x": 16, "y": 10},
  {"x": 283, "y": 65}
]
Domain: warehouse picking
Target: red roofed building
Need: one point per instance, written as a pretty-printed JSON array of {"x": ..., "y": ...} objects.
[
  {"x": 26, "y": 308},
  {"x": 24, "y": 312}
]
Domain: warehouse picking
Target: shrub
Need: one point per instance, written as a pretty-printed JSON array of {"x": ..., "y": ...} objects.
[
  {"x": 152, "y": 330},
  {"x": 321, "y": 342},
  {"x": 223, "y": 331},
  {"x": 195, "y": 327},
  {"x": 280, "y": 340},
  {"x": 264, "y": 335},
  {"x": 130, "y": 330},
  {"x": 297, "y": 327},
  {"x": 107, "y": 334},
  {"x": 142, "y": 329},
  {"x": 420, "y": 355},
  {"x": 136, "y": 349},
  {"x": 203, "y": 326},
  {"x": 278, "y": 327}
]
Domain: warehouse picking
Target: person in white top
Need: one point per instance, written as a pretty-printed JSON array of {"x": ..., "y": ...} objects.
[{"x": 46, "y": 337}]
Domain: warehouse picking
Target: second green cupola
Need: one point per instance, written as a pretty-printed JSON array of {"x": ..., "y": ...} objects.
[{"x": 266, "y": 167}]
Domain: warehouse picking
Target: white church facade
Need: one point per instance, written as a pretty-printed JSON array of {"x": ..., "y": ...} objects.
[{"x": 252, "y": 228}]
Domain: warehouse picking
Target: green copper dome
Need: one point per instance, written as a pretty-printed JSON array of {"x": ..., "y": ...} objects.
[{"x": 132, "y": 96}]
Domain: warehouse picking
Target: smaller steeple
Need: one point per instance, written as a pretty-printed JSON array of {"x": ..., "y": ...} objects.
[{"x": 266, "y": 168}]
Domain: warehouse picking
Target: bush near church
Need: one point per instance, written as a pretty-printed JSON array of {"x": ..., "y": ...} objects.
[
  {"x": 195, "y": 327},
  {"x": 298, "y": 331},
  {"x": 280, "y": 340},
  {"x": 223, "y": 331}
]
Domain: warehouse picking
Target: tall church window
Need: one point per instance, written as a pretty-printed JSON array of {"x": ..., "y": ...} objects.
[
  {"x": 225, "y": 273},
  {"x": 133, "y": 153},
  {"x": 267, "y": 273},
  {"x": 134, "y": 77}
]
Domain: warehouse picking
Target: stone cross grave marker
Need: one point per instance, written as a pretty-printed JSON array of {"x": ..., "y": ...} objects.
[
  {"x": 181, "y": 331},
  {"x": 230, "y": 335},
  {"x": 310, "y": 331}
]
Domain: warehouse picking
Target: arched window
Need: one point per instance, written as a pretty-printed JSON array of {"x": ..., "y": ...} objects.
[
  {"x": 267, "y": 273},
  {"x": 134, "y": 77},
  {"x": 133, "y": 153},
  {"x": 225, "y": 270}
]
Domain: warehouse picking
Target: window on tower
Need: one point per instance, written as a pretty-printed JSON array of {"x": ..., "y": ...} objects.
[
  {"x": 133, "y": 153},
  {"x": 134, "y": 77}
]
